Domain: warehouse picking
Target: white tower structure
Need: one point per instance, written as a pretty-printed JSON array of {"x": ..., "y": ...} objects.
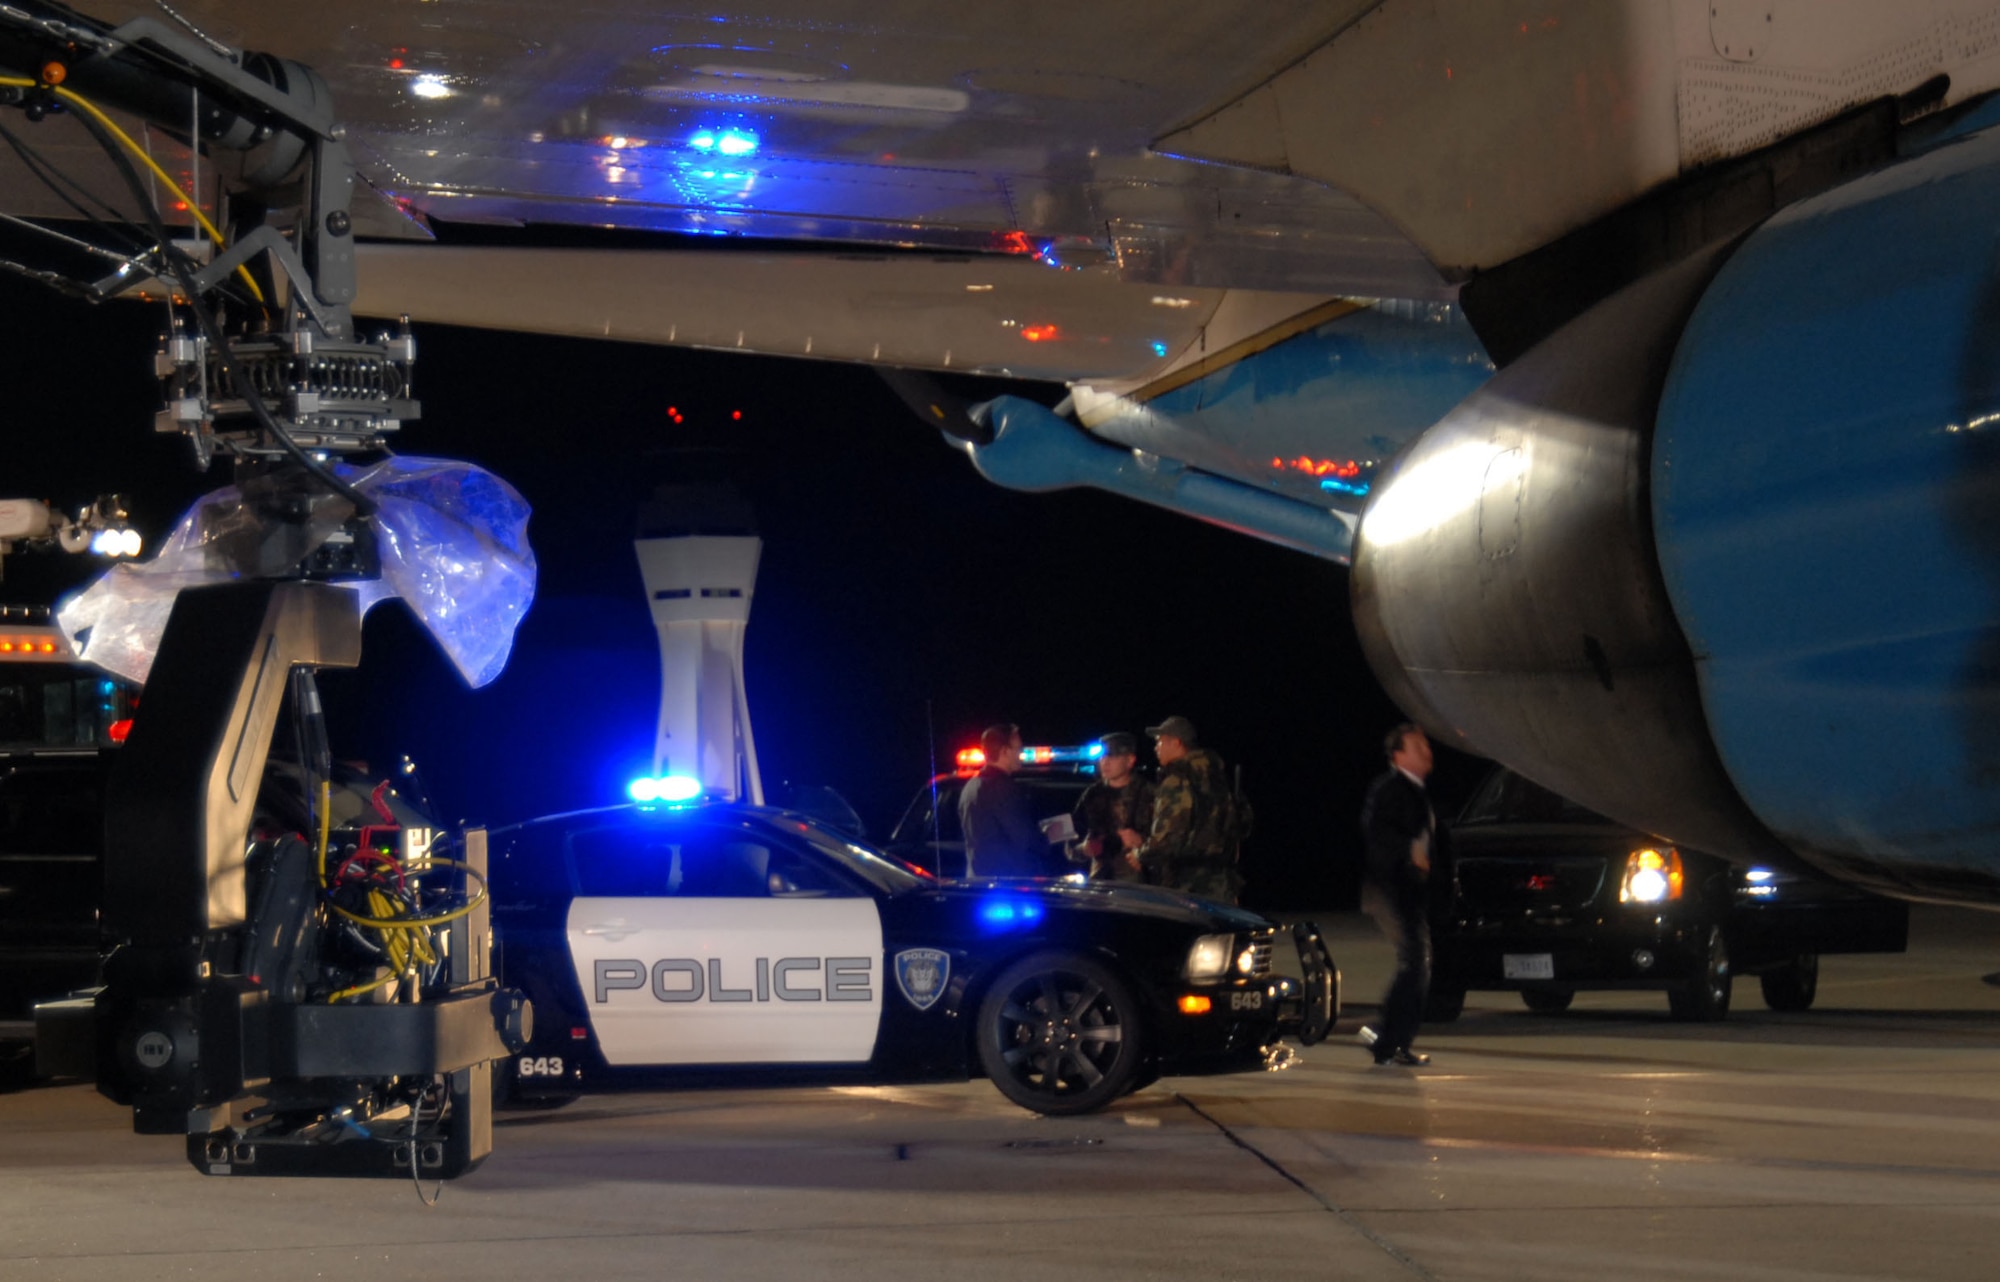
[{"x": 699, "y": 585}]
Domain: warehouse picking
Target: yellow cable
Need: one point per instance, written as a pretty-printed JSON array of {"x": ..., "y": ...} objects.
[
  {"x": 70, "y": 95},
  {"x": 406, "y": 941},
  {"x": 439, "y": 919},
  {"x": 325, "y": 825}
]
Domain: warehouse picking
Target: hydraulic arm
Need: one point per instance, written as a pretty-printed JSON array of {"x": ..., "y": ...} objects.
[{"x": 293, "y": 998}]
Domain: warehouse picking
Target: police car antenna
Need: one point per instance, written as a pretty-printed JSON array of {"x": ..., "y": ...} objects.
[{"x": 937, "y": 827}]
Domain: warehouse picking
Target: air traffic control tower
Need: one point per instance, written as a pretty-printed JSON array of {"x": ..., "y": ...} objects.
[{"x": 698, "y": 550}]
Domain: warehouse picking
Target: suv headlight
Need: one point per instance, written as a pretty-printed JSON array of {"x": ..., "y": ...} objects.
[
  {"x": 1210, "y": 956},
  {"x": 1652, "y": 876}
]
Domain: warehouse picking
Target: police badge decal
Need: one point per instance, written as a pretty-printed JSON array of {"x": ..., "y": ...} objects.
[{"x": 921, "y": 974}]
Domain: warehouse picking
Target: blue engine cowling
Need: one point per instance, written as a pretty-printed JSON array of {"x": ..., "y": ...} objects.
[{"x": 1721, "y": 558}]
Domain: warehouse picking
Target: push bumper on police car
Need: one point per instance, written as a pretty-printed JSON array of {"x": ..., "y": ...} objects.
[{"x": 1233, "y": 1000}]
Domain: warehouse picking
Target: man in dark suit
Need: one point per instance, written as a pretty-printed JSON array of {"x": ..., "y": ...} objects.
[{"x": 1398, "y": 828}]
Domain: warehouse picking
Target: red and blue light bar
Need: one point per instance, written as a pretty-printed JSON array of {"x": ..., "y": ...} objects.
[{"x": 971, "y": 760}]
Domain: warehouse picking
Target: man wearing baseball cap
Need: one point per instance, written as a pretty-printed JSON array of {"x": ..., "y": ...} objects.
[
  {"x": 1113, "y": 812},
  {"x": 1195, "y": 827}
]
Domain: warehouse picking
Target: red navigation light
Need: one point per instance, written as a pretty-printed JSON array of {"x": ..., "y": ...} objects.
[
  {"x": 737, "y": 415},
  {"x": 117, "y": 730}
]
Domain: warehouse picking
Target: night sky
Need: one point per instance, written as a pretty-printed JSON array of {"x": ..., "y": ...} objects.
[{"x": 903, "y": 602}]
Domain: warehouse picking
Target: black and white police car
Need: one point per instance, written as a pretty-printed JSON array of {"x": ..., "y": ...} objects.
[{"x": 707, "y": 943}]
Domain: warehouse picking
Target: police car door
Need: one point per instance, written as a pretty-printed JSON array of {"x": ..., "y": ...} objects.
[{"x": 699, "y": 943}]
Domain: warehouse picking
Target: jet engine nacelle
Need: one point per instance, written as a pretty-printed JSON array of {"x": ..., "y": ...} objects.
[{"x": 1721, "y": 558}]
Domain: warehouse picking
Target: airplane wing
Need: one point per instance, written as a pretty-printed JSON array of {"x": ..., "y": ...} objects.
[{"x": 1627, "y": 327}]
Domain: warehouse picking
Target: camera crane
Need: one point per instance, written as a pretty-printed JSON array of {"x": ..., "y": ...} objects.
[{"x": 286, "y": 1015}]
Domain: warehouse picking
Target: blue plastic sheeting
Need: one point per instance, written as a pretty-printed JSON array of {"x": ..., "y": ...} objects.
[
  {"x": 451, "y": 537},
  {"x": 1032, "y": 449},
  {"x": 1826, "y": 485},
  {"x": 1353, "y": 390}
]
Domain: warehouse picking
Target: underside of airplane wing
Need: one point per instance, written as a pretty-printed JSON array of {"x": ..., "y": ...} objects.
[{"x": 1632, "y": 350}]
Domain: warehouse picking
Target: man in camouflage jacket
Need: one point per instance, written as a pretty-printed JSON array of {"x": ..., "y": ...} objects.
[
  {"x": 1113, "y": 812},
  {"x": 1189, "y": 847}
]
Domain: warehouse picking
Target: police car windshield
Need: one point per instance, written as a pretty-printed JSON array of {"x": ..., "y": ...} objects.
[{"x": 881, "y": 873}]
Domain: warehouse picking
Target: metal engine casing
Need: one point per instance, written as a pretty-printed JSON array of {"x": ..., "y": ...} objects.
[{"x": 1507, "y": 590}]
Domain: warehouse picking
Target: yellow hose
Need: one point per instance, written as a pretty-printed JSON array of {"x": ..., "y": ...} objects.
[
  {"x": 405, "y": 938},
  {"x": 70, "y": 95}
]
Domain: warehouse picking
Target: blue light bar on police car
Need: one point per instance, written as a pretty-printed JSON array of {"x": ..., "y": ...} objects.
[
  {"x": 668, "y": 788},
  {"x": 1042, "y": 755}
]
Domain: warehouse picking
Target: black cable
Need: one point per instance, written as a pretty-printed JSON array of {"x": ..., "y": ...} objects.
[
  {"x": 54, "y": 280},
  {"x": 55, "y": 179},
  {"x": 212, "y": 329}
]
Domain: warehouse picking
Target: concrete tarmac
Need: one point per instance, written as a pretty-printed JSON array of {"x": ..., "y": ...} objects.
[{"x": 1860, "y": 1140}]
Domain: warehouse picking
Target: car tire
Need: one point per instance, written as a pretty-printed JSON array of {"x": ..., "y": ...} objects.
[
  {"x": 1060, "y": 1034},
  {"x": 1704, "y": 999},
  {"x": 1548, "y": 1001},
  {"x": 1793, "y": 985},
  {"x": 1443, "y": 1005}
]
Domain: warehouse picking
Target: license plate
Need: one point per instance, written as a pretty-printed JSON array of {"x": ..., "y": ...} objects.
[{"x": 1527, "y": 966}]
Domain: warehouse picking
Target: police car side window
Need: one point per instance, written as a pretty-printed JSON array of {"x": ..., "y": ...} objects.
[
  {"x": 719, "y": 865},
  {"x": 794, "y": 876},
  {"x": 526, "y": 867},
  {"x": 947, "y": 814},
  {"x": 624, "y": 863}
]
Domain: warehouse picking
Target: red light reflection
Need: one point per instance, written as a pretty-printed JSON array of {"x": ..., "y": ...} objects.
[{"x": 1346, "y": 469}]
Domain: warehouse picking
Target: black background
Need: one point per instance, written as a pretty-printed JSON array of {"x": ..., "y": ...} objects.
[{"x": 902, "y": 602}]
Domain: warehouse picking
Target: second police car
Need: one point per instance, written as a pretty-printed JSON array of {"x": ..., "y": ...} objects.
[
  {"x": 1051, "y": 778},
  {"x": 701, "y": 943}
]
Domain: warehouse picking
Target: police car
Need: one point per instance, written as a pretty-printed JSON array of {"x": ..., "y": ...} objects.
[
  {"x": 1052, "y": 778},
  {"x": 697, "y": 943}
]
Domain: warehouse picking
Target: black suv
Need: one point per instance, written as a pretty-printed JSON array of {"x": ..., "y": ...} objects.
[{"x": 1543, "y": 897}]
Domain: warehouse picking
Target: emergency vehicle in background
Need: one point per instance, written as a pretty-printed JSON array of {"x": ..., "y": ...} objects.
[
  {"x": 59, "y": 724},
  {"x": 928, "y": 835}
]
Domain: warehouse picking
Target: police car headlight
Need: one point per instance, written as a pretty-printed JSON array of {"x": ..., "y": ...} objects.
[{"x": 1210, "y": 956}]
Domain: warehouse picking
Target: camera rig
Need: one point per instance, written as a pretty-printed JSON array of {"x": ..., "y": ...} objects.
[{"x": 291, "y": 1000}]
